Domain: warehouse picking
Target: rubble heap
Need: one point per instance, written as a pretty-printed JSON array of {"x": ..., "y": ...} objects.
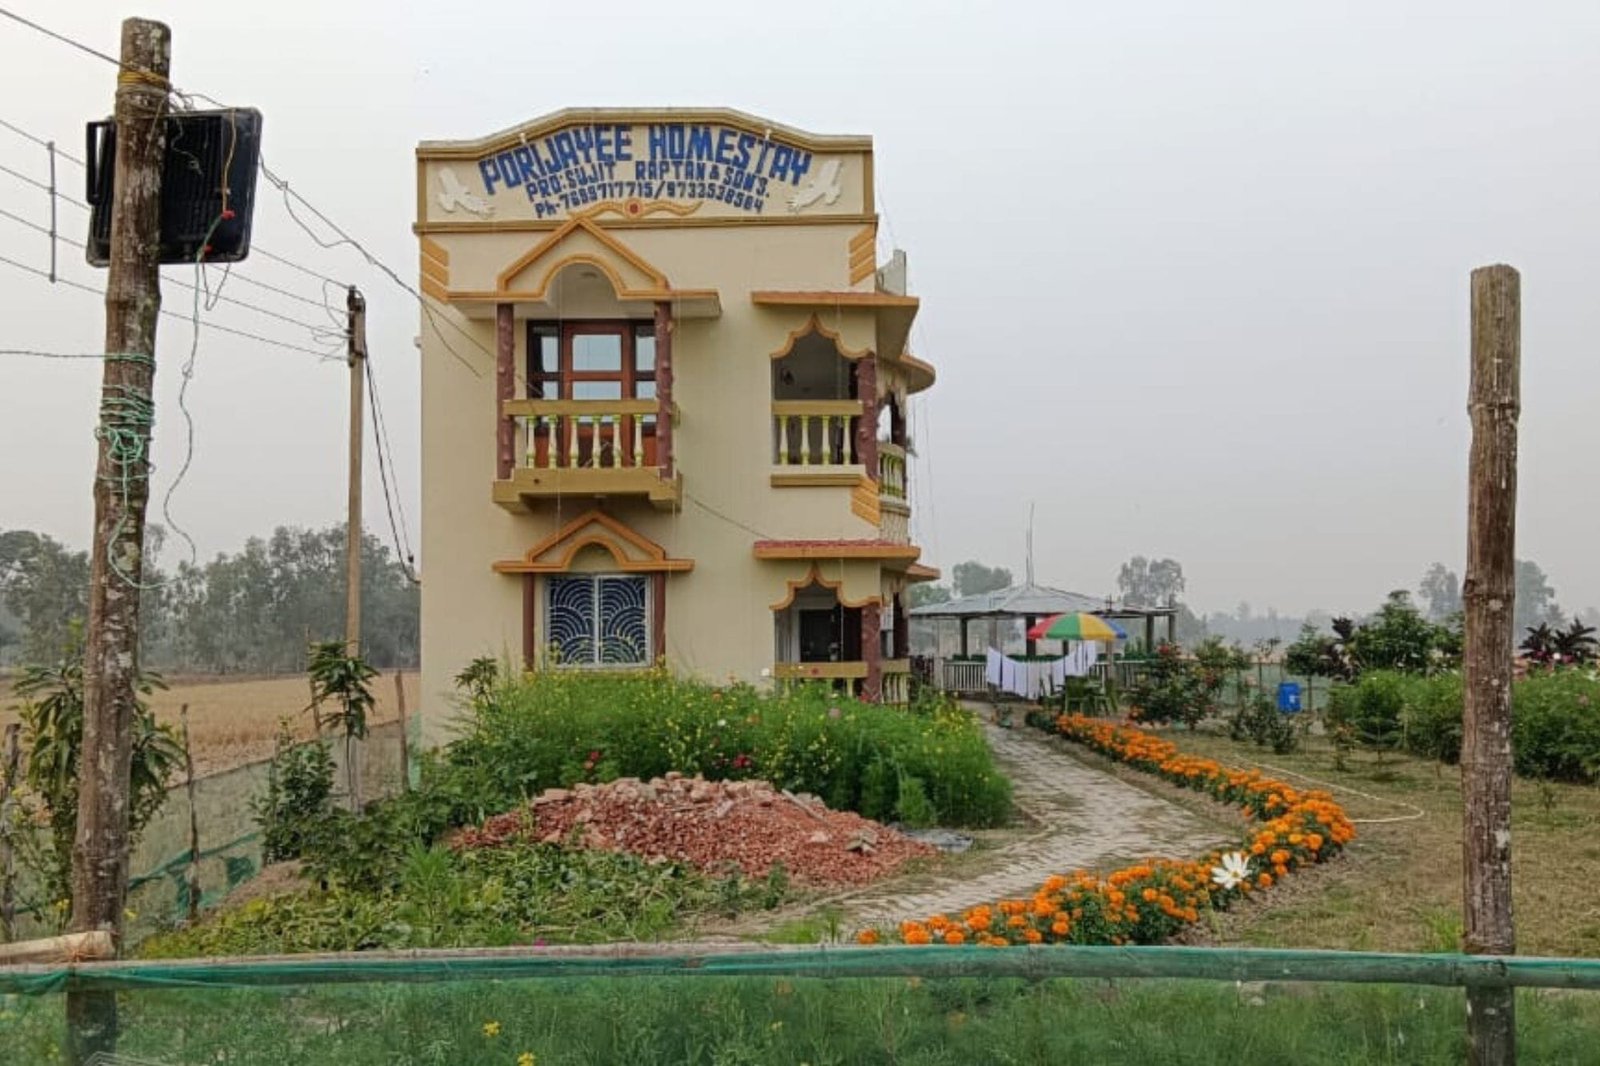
[{"x": 708, "y": 824}]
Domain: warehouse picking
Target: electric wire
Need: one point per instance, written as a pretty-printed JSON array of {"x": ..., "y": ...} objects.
[
  {"x": 91, "y": 290},
  {"x": 381, "y": 447},
  {"x": 315, "y": 329}
]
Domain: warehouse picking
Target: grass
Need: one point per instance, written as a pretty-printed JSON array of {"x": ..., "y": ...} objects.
[
  {"x": 757, "y": 1021},
  {"x": 233, "y": 721},
  {"x": 1398, "y": 885}
]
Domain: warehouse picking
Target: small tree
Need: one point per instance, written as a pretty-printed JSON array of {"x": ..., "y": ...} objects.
[
  {"x": 52, "y": 724},
  {"x": 1174, "y": 688},
  {"x": 340, "y": 678}
]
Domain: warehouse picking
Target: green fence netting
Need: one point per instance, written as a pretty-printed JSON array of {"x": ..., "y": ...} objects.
[
  {"x": 230, "y": 841},
  {"x": 792, "y": 1007}
]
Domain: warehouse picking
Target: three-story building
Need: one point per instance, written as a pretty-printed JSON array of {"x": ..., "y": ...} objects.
[{"x": 664, "y": 391}]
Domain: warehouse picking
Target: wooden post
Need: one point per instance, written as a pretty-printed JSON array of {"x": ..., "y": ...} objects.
[
  {"x": 356, "y": 313},
  {"x": 1495, "y": 403},
  {"x": 121, "y": 490},
  {"x": 356, "y": 357},
  {"x": 505, "y": 384},
  {"x": 8, "y": 863},
  {"x": 664, "y": 329},
  {"x": 194, "y": 817},
  {"x": 405, "y": 724}
]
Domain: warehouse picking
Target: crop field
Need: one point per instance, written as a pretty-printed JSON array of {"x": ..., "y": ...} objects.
[{"x": 232, "y": 721}]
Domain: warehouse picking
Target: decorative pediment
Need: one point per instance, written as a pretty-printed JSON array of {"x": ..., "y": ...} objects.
[
  {"x": 632, "y": 551},
  {"x": 581, "y": 241}
]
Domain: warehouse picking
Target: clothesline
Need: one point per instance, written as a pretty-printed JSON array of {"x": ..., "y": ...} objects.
[{"x": 1033, "y": 678}]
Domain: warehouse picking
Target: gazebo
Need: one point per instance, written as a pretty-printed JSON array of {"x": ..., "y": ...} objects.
[{"x": 1028, "y": 603}]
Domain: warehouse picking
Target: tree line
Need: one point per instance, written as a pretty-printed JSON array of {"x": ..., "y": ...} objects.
[{"x": 256, "y": 610}]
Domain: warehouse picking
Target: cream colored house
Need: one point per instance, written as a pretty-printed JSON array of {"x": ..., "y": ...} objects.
[{"x": 690, "y": 443}]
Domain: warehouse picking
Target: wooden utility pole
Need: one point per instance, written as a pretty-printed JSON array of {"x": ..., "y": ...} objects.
[
  {"x": 194, "y": 818},
  {"x": 121, "y": 489},
  {"x": 8, "y": 864},
  {"x": 356, "y": 307},
  {"x": 1495, "y": 402}
]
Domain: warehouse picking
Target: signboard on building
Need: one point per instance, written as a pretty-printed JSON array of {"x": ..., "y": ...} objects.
[{"x": 720, "y": 167}]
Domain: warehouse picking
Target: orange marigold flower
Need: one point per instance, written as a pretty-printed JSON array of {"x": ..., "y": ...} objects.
[
  {"x": 1149, "y": 895},
  {"x": 1033, "y": 936},
  {"x": 867, "y": 936},
  {"x": 955, "y": 936},
  {"x": 1059, "y": 928},
  {"x": 1265, "y": 880}
]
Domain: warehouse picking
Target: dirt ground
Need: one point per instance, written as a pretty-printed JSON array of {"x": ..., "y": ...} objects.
[{"x": 234, "y": 720}]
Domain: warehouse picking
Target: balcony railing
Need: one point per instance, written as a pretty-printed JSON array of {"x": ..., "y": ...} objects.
[
  {"x": 584, "y": 447},
  {"x": 585, "y": 434},
  {"x": 891, "y": 470},
  {"x": 814, "y": 432}
]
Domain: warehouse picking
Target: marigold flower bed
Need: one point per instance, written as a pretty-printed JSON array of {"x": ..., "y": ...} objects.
[{"x": 1152, "y": 901}]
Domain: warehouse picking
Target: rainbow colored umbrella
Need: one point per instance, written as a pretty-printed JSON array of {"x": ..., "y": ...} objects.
[{"x": 1076, "y": 626}]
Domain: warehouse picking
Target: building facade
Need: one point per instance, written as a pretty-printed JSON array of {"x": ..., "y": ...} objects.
[{"x": 664, "y": 392}]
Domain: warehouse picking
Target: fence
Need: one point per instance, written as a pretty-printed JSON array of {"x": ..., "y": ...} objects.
[
  {"x": 756, "y": 1005},
  {"x": 230, "y": 841}
]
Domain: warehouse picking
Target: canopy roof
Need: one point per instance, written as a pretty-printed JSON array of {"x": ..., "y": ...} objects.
[{"x": 1031, "y": 601}]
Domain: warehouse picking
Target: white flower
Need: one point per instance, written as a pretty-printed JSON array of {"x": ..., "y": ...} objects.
[
  {"x": 721, "y": 722},
  {"x": 1235, "y": 869}
]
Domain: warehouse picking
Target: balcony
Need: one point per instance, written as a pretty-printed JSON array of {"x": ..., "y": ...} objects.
[
  {"x": 593, "y": 448},
  {"x": 813, "y": 442}
]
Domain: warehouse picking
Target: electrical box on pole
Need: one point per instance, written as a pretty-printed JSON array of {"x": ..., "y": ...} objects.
[{"x": 208, "y": 185}]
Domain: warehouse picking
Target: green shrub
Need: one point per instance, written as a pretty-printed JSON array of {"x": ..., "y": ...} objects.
[
  {"x": 1432, "y": 717},
  {"x": 1555, "y": 725},
  {"x": 1371, "y": 709},
  {"x": 555, "y": 728},
  {"x": 298, "y": 800},
  {"x": 1260, "y": 721},
  {"x": 1555, "y": 719},
  {"x": 482, "y": 898},
  {"x": 1174, "y": 688}
]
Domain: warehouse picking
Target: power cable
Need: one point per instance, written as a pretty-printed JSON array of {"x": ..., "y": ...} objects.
[
  {"x": 92, "y": 291},
  {"x": 79, "y": 45},
  {"x": 380, "y": 440},
  {"x": 314, "y": 328}
]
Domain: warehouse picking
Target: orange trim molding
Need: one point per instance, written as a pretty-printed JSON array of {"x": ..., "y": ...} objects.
[
  {"x": 633, "y": 551},
  {"x": 814, "y": 325},
  {"x": 814, "y": 577},
  {"x": 847, "y": 298},
  {"x": 916, "y": 572},
  {"x": 836, "y": 549}
]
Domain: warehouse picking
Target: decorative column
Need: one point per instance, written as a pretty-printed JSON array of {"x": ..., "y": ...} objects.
[
  {"x": 867, "y": 427},
  {"x": 664, "y": 387},
  {"x": 872, "y": 652},
  {"x": 505, "y": 376}
]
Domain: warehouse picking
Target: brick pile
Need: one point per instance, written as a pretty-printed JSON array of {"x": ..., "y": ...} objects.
[{"x": 708, "y": 824}]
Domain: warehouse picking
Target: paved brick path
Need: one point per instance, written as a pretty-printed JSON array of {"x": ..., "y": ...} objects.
[{"x": 1088, "y": 820}]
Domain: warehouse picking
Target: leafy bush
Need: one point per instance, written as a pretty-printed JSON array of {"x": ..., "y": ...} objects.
[
  {"x": 1555, "y": 719},
  {"x": 1370, "y": 709},
  {"x": 299, "y": 797},
  {"x": 1555, "y": 725},
  {"x": 1260, "y": 721},
  {"x": 1174, "y": 688},
  {"x": 555, "y": 728},
  {"x": 481, "y": 898}
]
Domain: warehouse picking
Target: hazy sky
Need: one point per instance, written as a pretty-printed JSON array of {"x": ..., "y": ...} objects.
[{"x": 1194, "y": 274}]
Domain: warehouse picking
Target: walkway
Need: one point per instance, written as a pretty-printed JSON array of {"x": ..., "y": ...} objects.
[{"x": 1086, "y": 820}]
